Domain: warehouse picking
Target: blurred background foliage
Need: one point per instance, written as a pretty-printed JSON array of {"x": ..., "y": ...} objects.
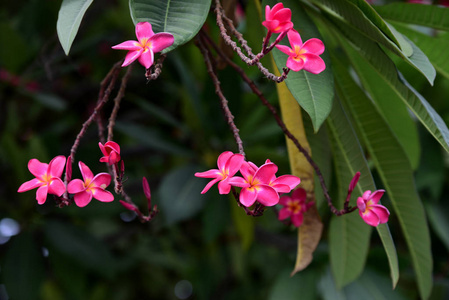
[{"x": 199, "y": 246}]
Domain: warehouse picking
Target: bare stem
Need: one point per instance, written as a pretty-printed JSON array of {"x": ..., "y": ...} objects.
[{"x": 154, "y": 72}]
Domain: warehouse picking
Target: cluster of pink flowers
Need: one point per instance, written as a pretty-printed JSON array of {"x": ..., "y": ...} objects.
[
  {"x": 301, "y": 55},
  {"x": 48, "y": 178},
  {"x": 146, "y": 45},
  {"x": 257, "y": 184}
]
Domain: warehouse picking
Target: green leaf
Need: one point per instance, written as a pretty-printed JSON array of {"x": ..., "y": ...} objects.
[
  {"x": 301, "y": 286},
  {"x": 244, "y": 225},
  {"x": 434, "y": 47},
  {"x": 69, "y": 19},
  {"x": 181, "y": 18},
  {"x": 23, "y": 271},
  {"x": 438, "y": 220},
  {"x": 426, "y": 15},
  {"x": 180, "y": 194},
  {"x": 397, "y": 176},
  {"x": 349, "y": 236},
  {"x": 370, "y": 54},
  {"x": 314, "y": 93}
]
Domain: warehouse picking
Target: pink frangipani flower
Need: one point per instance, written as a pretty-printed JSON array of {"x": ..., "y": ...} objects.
[
  {"x": 255, "y": 184},
  {"x": 146, "y": 45},
  {"x": 47, "y": 179},
  {"x": 111, "y": 152},
  {"x": 90, "y": 187},
  {"x": 228, "y": 164},
  {"x": 278, "y": 19},
  {"x": 303, "y": 56},
  {"x": 371, "y": 212},
  {"x": 294, "y": 206},
  {"x": 284, "y": 183}
]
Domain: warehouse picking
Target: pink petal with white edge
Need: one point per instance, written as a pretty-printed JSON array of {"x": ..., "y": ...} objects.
[
  {"x": 294, "y": 38},
  {"x": 56, "y": 187},
  {"x": 284, "y": 200},
  {"x": 209, "y": 185},
  {"x": 102, "y": 180},
  {"x": 102, "y": 195},
  {"x": 56, "y": 166},
  {"x": 41, "y": 194},
  {"x": 313, "y": 63},
  {"x": 85, "y": 171},
  {"x": 82, "y": 198},
  {"x": 315, "y": 46},
  {"x": 290, "y": 180},
  {"x": 375, "y": 197},
  {"x": 284, "y": 213},
  {"x": 144, "y": 31},
  {"x": 295, "y": 65},
  {"x": 370, "y": 217},
  {"x": 131, "y": 56},
  {"x": 285, "y": 49},
  {"x": 224, "y": 187},
  {"x": 248, "y": 197},
  {"x": 223, "y": 158},
  {"x": 146, "y": 59},
  {"x": 297, "y": 219},
  {"x": 382, "y": 212},
  {"x": 37, "y": 168},
  {"x": 233, "y": 164},
  {"x": 161, "y": 40},
  {"x": 214, "y": 173},
  {"x": 128, "y": 45},
  {"x": 75, "y": 186},
  {"x": 266, "y": 173},
  {"x": 267, "y": 195},
  {"x": 29, "y": 185}
]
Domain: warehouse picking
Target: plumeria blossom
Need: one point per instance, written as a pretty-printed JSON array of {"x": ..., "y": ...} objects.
[
  {"x": 111, "y": 152},
  {"x": 371, "y": 212},
  {"x": 228, "y": 164},
  {"x": 48, "y": 178},
  {"x": 90, "y": 187},
  {"x": 303, "y": 56},
  {"x": 294, "y": 206},
  {"x": 255, "y": 184},
  {"x": 278, "y": 18},
  {"x": 146, "y": 45},
  {"x": 284, "y": 183}
]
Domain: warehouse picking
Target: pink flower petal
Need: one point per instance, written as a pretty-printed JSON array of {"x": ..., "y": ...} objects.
[
  {"x": 271, "y": 25},
  {"x": 281, "y": 188},
  {"x": 56, "y": 187},
  {"x": 382, "y": 212},
  {"x": 267, "y": 196},
  {"x": 68, "y": 169},
  {"x": 146, "y": 59},
  {"x": 238, "y": 181},
  {"x": 114, "y": 157},
  {"x": 214, "y": 173},
  {"x": 275, "y": 9},
  {"x": 284, "y": 200},
  {"x": 131, "y": 56},
  {"x": 233, "y": 164},
  {"x": 283, "y": 15},
  {"x": 113, "y": 146},
  {"x": 56, "y": 166},
  {"x": 300, "y": 194},
  {"x": 144, "y": 31},
  {"x": 128, "y": 45},
  {"x": 75, "y": 186},
  {"x": 128, "y": 206},
  {"x": 37, "y": 168},
  {"x": 294, "y": 38},
  {"x": 295, "y": 65},
  {"x": 82, "y": 198},
  {"x": 314, "y": 46},
  {"x": 375, "y": 197},
  {"x": 297, "y": 219},
  {"x": 29, "y": 185},
  {"x": 284, "y": 213},
  {"x": 366, "y": 195},
  {"x": 247, "y": 170},
  {"x": 209, "y": 185},
  {"x": 285, "y": 49},
  {"x": 102, "y": 195},
  {"x": 41, "y": 194},
  {"x": 146, "y": 188},
  {"x": 361, "y": 204},
  {"x": 248, "y": 196},
  {"x": 161, "y": 40},
  {"x": 266, "y": 173},
  {"x": 354, "y": 181},
  {"x": 290, "y": 180},
  {"x": 103, "y": 150},
  {"x": 224, "y": 187},
  {"x": 102, "y": 180},
  {"x": 85, "y": 171},
  {"x": 223, "y": 158},
  {"x": 370, "y": 217},
  {"x": 313, "y": 63}
]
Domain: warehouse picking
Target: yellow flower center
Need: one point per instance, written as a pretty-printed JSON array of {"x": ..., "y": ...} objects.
[{"x": 294, "y": 206}]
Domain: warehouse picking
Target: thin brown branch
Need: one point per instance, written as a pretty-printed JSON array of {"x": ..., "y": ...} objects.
[{"x": 154, "y": 72}]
